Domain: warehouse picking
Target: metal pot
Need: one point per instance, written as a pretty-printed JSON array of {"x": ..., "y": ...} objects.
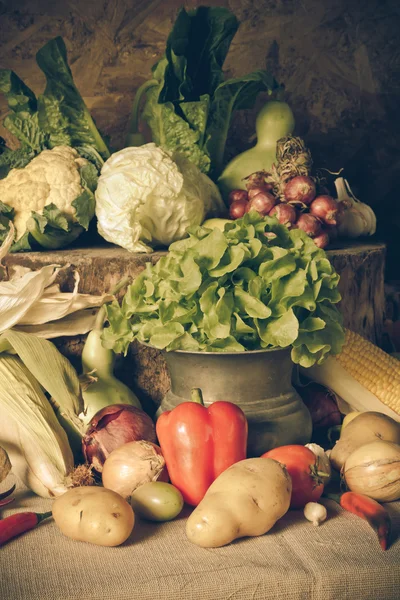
[{"x": 258, "y": 381}]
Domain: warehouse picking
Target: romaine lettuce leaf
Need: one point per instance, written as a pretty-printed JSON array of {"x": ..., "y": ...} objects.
[
  {"x": 188, "y": 104},
  {"x": 63, "y": 114}
]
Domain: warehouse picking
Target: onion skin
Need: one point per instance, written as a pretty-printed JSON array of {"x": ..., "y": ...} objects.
[
  {"x": 262, "y": 202},
  {"x": 257, "y": 180},
  {"x": 322, "y": 404},
  {"x": 237, "y": 209},
  {"x": 322, "y": 240},
  {"x": 236, "y": 195},
  {"x": 309, "y": 224},
  {"x": 374, "y": 470},
  {"x": 253, "y": 191},
  {"x": 113, "y": 426},
  {"x": 300, "y": 189},
  {"x": 325, "y": 208},
  {"x": 132, "y": 465},
  {"x": 285, "y": 213}
]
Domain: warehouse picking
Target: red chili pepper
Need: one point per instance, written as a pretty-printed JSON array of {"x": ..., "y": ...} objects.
[
  {"x": 12, "y": 526},
  {"x": 199, "y": 443},
  {"x": 371, "y": 511}
]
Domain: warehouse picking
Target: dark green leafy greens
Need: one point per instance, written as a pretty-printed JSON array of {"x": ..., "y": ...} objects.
[
  {"x": 255, "y": 285},
  {"x": 57, "y": 117},
  {"x": 188, "y": 104}
]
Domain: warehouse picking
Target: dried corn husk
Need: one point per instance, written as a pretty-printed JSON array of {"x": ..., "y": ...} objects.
[
  {"x": 33, "y": 299},
  {"x": 29, "y": 431}
]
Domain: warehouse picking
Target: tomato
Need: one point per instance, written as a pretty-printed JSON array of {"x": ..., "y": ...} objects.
[{"x": 302, "y": 466}]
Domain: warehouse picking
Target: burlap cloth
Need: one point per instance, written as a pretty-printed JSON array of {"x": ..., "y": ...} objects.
[{"x": 340, "y": 560}]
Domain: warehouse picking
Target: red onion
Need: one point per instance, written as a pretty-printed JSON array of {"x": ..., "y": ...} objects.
[
  {"x": 285, "y": 213},
  {"x": 322, "y": 404},
  {"x": 262, "y": 202},
  {"x": 310, "y": 224},
  {"x": 236, "y": 195},
  {"x": 237, "y": 209},
  {"x": 257, "y": 190},
  {"x": 322, "y": 240},
  {"x": 300, "y": 189},
  {"x": 325, "y": 208},
  {"x": 113, "y": 426}
]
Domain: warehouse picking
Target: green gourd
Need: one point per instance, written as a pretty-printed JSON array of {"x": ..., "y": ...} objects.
[
  {"x": 107, "y": 389},
  {"x": 274, "y": 121}
]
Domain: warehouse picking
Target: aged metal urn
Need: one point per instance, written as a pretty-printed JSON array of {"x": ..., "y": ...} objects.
[{"x": 258, "y": 381}]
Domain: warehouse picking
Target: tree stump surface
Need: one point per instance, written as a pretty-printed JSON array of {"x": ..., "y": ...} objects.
[{"x": 359, "y": 264}]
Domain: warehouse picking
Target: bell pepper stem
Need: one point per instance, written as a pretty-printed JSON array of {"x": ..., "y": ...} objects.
[{"x": 197, "y": 396}]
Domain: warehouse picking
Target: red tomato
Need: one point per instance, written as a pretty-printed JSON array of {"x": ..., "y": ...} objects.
[{"x": 302, "y": 466}]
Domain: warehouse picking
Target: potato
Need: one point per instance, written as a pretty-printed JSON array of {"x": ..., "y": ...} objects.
[
  {"x": 364, "y": 428},
  {"x": 245, "y": 500},
  {"x": 94, "y": 514}
]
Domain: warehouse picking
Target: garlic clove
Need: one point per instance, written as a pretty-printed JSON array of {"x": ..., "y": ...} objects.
[{"x": 315, "y": 513}]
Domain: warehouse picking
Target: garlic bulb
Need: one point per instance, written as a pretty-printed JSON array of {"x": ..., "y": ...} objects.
[{"x": 358, "y": 219}]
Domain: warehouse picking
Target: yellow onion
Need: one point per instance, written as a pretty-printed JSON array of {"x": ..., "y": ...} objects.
[
  {"x": 374, "y": 470},
  {"x": 132, "y": 465}
]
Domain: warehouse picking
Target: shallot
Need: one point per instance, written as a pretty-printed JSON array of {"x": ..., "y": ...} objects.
[
  {"x": 237, "y": 209},
  {"x": 300, "y": 189},
  {"x": 262, "y": 202},
  {"x": 113, "y": 426},
  {"x": 325, "y": 208},
  {"x": 309, "y": 224},
  {"x": 322, "y": 240},
  {"x": 237, "y": 195},
  {"x": 257, "y": 190},
  {"x": 285, "y": 213}
]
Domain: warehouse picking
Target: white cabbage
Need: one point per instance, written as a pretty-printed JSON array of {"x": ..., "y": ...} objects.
[{"x": 146, "y": 198}]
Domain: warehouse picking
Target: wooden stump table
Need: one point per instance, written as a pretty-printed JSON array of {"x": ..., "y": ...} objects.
[{"x": 360, "y": 265}]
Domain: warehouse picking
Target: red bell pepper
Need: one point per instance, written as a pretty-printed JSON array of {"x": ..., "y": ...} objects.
[{"x": 199, "y": 443}]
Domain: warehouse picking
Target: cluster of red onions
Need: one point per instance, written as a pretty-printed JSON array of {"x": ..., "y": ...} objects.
[{"x": 300, "y": 207}]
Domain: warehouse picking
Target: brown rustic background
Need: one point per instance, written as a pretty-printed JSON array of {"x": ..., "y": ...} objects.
[{"x": 339, "y": 61}]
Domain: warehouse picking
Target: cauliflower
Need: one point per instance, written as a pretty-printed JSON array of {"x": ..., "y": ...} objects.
[
  {"x": 51, "y": 199},
  {"x": 146, "y": 198}
]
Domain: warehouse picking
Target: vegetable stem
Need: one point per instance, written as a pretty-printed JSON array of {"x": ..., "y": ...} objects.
[
  {"x": 101, "y": 315},
  {"x": 134, "y": 137},
  {"x": 196, "y": 396}
]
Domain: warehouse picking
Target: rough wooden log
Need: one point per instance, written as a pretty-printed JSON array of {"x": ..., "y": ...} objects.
[{"x": 360, "y": 265}]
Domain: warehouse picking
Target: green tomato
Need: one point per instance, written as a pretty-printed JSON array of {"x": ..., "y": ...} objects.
[{"x": 157, "y": 501}]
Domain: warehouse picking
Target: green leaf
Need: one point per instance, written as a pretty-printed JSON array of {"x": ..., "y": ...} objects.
[
  {"x": 250, "y": 305},
  {"x": 196, "y": 50},
  {"x": 163, "y": 335},
  {"x": 22, "y": 122},
  {"x": 52, "y": 236},
  {"x": 55, "y": 218},
  {"x": 232, "y": 95},
  {"x": 280, "y": 332},
  {"x": 173, "y": 132},
  {"x": 89, "y": 177},
  {"x": 84, "y": 206},
  {"x": 15, "y": 159},
  {"x": 62, "y": 112}
]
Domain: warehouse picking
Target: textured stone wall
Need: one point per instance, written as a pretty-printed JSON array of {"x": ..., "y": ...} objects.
[{"x": 339, "y": 61}]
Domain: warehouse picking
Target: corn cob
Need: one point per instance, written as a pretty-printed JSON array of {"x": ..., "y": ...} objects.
[{"x": 373, "y": 368}]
